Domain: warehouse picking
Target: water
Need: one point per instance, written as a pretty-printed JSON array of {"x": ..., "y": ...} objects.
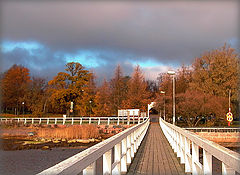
[{"x": 28, "y": 162}]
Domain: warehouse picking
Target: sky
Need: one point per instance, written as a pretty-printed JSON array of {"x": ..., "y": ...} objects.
[{"x": 157, "y": 35}]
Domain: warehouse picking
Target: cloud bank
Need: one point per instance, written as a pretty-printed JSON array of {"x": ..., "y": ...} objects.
[{"x": 44, "y": 36}]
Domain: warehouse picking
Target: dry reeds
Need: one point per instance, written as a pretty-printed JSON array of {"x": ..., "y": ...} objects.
[{"x": 71, "y": 132}]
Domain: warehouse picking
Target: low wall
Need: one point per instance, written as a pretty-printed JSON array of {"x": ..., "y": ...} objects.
[{"x": 226, "y": 139}]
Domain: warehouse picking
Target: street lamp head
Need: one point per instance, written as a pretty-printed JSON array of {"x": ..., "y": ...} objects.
[
  {"x": 23, "y": 103},
  {"x": 162, "y": 92},
  {"x": 170, "y": 72}
]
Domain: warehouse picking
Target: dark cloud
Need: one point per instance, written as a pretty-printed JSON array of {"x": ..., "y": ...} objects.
[
  {"x": 41, "y": 63},
  {"x": 170, "y": 32}
]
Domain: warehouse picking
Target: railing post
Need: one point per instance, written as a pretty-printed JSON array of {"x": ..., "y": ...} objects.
[
  {"x": 207, "y": 163},
  {"x": 47, "y": 121},
  {"x": 132, "y": 144},
  {"x": 117, "y": 158},
  {"x": 40, "y": 121},
  {"x": 107, "y": 162},
  {"x": 124, "y": 156},
  {"x": 17, "y": 120},
  {"x": 226, "y": 170},
  {"x": 55, "y": 121},
  {"x": 118, "y": 121},
  {"x": 91, "y": 169},
  {"x": 32, "y": 120},
  {"x": 108, "y": 121},
  {"x": 25, "y": 121},
  {"x": 188, "y": 162},
  {"x": 181, "y": 144},
  {"x": 89, "y": 121},
  {"x": 99, "y": 121},
  {"x": 80, "y": 121},
  {"x": 129, "y": 149},
  {"x": 195, "y": 158},
  {"x": 64, "y": 120},
  {"x": 72, "y": 120},
  {"x": 178, "y": 144}
]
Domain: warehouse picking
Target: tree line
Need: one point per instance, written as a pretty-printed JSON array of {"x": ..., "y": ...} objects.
[
  {"x": 21, "y": 92},
  {"x": 202, "y": 90}
]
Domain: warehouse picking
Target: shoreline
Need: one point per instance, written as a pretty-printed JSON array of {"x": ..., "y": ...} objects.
[{"x": 14, "y": 144}]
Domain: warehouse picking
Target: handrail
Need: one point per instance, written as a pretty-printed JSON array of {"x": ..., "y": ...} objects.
[
  {"x": 108, "y": 157},
  {"x": 212, "y": 129},
  {"x": 77, "y": 120},
  {"x": 187, "y": 144}
]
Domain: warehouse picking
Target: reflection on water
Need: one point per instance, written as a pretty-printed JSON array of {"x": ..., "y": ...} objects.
[{"x": 30, "y": 162}]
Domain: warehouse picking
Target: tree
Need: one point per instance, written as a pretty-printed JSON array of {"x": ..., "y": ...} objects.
[
  {"x": 216, "y": 72},
  {"x": 152, "y": 87},
  {"x": 102, "y": 99},
  {"x": 192, "y": 106},
  {"x": 69, "y": 87},
  {"x": 86, "y": 103},
  {"x": 183, "y": 79},
  {"x": 14, "y": 85},
  {"x": 137, "y": 95},
  {"x": 35, "y": 96},
  {"x": 118, "y": 87}
]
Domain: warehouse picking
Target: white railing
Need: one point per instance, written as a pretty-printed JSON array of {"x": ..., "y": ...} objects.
[
  {"x": 76, "y": 120},
  {"x": 198, "y": 129},
  {"x": 187, "y": 144},
  {"x": 108, "y": 157}
]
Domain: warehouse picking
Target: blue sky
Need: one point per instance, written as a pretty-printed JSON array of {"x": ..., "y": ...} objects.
[{"x": 155, "y": 35}]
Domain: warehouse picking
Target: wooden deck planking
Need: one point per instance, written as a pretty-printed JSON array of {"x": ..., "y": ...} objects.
[{"x": 155, "y": 156}]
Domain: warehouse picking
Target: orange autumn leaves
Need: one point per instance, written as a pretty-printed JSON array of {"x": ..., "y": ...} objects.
[{"x": 201, "y": 90}]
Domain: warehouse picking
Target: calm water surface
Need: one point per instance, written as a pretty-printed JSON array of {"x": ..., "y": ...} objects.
[{"x": 28, "y": 162}]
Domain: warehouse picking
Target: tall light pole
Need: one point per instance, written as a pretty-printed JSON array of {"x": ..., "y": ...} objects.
[
  {"x": 173, "y": 75},
  {"x": 229, "y": 101},
  {"x": 23, "y": 108},
  {"x": 163, "y": 92},
  {"x": 90, "y": 108}
]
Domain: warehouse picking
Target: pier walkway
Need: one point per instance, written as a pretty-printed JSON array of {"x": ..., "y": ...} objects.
[{"x": 155, "y": 155}]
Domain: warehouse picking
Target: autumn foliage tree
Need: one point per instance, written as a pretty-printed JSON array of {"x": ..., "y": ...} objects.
[
  {"x": 193, "y": 106},
  {"x": 68, "y": 87},
  {"x": 118, "y": 89},
  {"x": 216, "y": 73},
  {"x": 137, "y": 94},
  {"x": 35, "y": 96},
  {"x": 86, "y": 102},
  {"x": 14, "y": 86},
  {"x": 102, "y": 100}
]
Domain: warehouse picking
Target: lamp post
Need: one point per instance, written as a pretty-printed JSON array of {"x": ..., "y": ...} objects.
[
  {"x": 229, "y": 101},
  {"x": 23, "y": 108},
  {"x": 163, "y": 92},
  {"x": 90, "y": 108},
  {"x": 172, "y": 73}
]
